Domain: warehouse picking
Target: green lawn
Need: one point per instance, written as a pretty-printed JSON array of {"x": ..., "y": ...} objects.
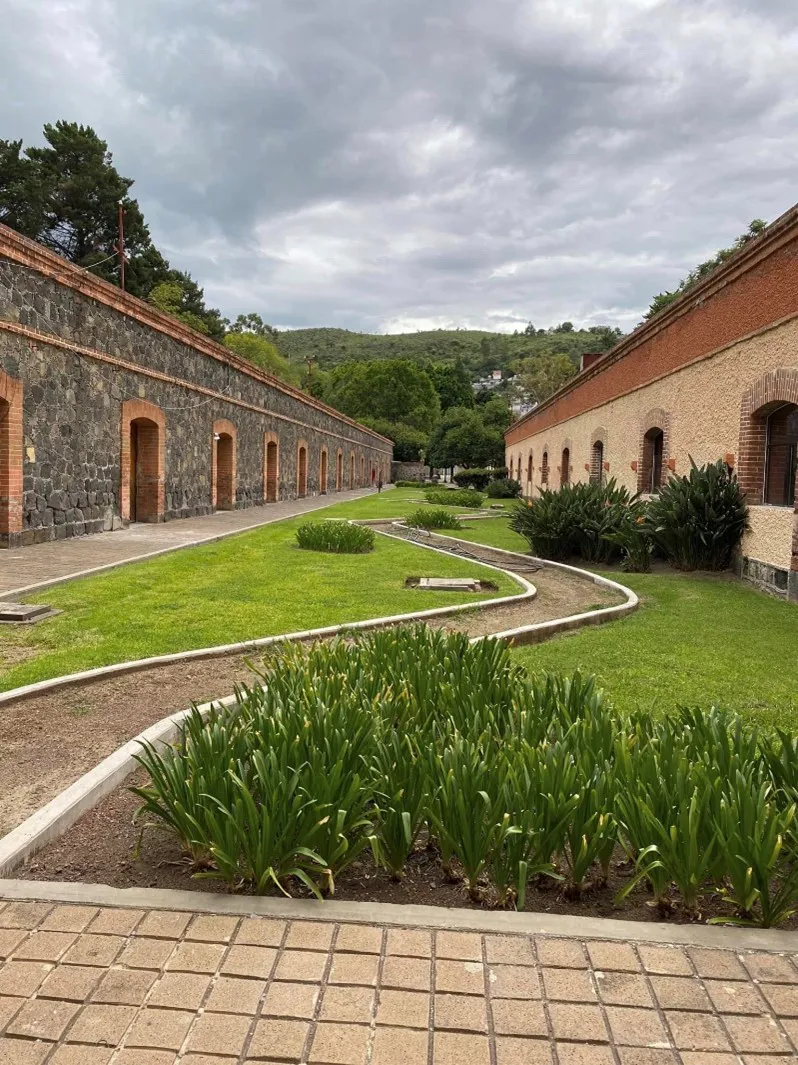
[
  {"x": 697, "y": 639},
  {"x": 254, "y": 584},
  {"x": 390, "y": 503}
]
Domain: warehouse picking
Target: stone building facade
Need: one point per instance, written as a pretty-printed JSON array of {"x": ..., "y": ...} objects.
[
  {"x": 713, "y": 376},
  {"x": 111, "y": 412}
]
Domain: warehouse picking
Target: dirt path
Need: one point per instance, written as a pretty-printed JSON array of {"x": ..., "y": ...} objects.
[{"x": 49, "y": 741}]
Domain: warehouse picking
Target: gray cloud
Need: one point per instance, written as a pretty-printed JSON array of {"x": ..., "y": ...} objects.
[{"x": 415, "y": 163}]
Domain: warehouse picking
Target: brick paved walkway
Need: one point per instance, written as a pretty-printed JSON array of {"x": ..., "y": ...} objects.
[
  {"x": 82, "y": 985},
  {"x": 21, "y": 567}
]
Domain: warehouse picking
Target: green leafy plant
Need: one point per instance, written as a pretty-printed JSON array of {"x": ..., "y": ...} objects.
[
  {"x": 454, "y": 497},
  {"x": 633, "y": 537},
  {"x": 697, "y": 521},
  {"x": 337, "y": 537},
  {"x": 503, "y": 488},
  {"x": 476, "y": 478},
  {"x": 432, "y": 518},
  {"x": 407, "y": 484},
  {"x": 575, "y": 519}
]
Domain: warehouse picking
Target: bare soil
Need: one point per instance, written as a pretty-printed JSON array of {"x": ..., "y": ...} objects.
[
  {"x": 47, "y": 742},
  {"x": 101, "y": 849}
]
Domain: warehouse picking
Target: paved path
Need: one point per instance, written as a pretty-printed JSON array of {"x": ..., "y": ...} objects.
[
  {"x": 85, "y": 985},
  {"x": 43, "y": 563}
]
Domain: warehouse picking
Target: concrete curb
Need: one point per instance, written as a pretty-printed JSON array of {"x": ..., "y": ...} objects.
[
  {"x": 380, "y": 913},
  {"x": 27, "y": 691}
]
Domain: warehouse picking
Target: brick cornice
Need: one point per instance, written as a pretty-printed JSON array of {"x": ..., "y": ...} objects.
[{"x": 25, "y": 252}]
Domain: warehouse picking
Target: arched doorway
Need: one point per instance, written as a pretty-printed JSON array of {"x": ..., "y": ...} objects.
[
  {"x": 302, "y": 470},
  {"x": 373, "y": 474},
  {"x": 271, "y": 461},
  {"x": 223, "y": 473},
  {"x": 323, "y": 472},
  {"x": 352, "y": 470},
  {"x": 565, "y": 466},
  {"x": 597, "y": 463},
  {"x": 142, "y": 494},
  {"x": 530, "y": 472},
  {"x": 362, "y": 471},
  {"x": 10, "y": 460},
  {"x": 653, "y": 452},
  {"x": 339, "y": 471}
]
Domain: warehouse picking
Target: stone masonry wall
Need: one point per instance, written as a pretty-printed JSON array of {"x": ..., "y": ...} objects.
[{"x": 65, "y": 348}]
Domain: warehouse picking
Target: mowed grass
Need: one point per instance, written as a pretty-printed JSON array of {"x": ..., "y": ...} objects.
[
  {"x": 254, "y": 584},
  {"x": 697, "y": 640},
  {"x": 390, "y": 503}
]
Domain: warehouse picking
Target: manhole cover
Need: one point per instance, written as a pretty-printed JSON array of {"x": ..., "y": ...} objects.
[{"x": 15, "y": 613}]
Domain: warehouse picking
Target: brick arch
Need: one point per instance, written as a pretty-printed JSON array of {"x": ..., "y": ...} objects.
[
  {"x": 597, "y": 464},
  {"x": 11, "y": 442},
  {"x": 224, "y": 447},
  {"x": 545, "y": 464},
  {"x": 142, "y": 452},
  {"x": 758, "y": 402},
  {"x": 530, "y": 469},
  {"x": 271, "y": 467},
  {"x": 301, "y": 468},
  {"x": 566, "y": 461},
  {"x": 648, "y": 476}
]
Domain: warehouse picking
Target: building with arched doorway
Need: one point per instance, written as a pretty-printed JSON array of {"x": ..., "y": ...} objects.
[
  {"x": 714, "y": 375},
  {"x": 111, "y": 412}
]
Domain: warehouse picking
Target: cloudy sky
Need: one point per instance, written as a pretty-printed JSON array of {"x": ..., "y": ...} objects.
[{"x": 389, "y": 165}]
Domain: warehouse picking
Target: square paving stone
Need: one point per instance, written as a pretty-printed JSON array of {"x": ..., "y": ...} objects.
[
  {"x": 310, "y": 935},
  {"x": 211, "y": 929},
  {"x": 353, "y": 1004},
  {"x": 182, "y": 991},
  {"x": 22, "y": 977},
  {"x": 159, "y": 1029},
  {"x": 623, "y": 989},
  {"x": 278, "y": 1040},
  {"x": 756, "y": 1035},
  {"x": 513, "y": 1051},
  {"x": 146, "y": 953},
  {"x": 360, "y": 939},
  {"x": 729, "y": 996},
  {"x": 145, "y": 1057},
  {"x": 22, "y": 1052},
  {"x": 409, "y": 943},
  {"x": 260, "y": 932},
  {"x": 45, "y": 946},
  {"x": 71, "y": 982},
  {"x": 680, "y": 993},
  {"x": 291, "y": 1000},
  {"x": 219, "y": 1033},
  {"x": 717, "y": 964},
  {"x": 123, "y": 987},
  {"x": 103, "y": 1025},
  {"x": 562, "y": 953},
  {"x": 696, "y": 1031},
  {"x": 231, "y": 994},
  {"x": 667, "y": 961},
  {"x": 24, "y": 914},
  {"x": 514, "y": 981},
  {"x": 466, "y": 946},
  {"x": 10, "y": 939},
  {"x": 68, "y": 918},
  {"x": 519, "y": 1018},
  {"x": 783, "y": 999},
  {"x": 411, "y": 974},
  {"x": 604, "y": 954},
  {"x": 650, "y": 1056},
  {"x": 355, "y": 969},
  {"x": 584, "y": 1054},
  {"x": 458, "y": 977},
  {"x": 569, "y": 985},
  {"x": 81, "y": 1055},
  {"x": 161, "y": 924},
  {"x": 205, "y": 957},
  {"x": 574, "y": 1021},
  {"x": 462, "y": 1013},
  {"x": 774, "y": 968},
  {"x": 406, "y": 1009},
  {"x": 636, "y": 1027},
  {"x": 294, "y": 965},
  {"x": 510, "y": 950},
  {"x": 94, "y": 950},
  {"x": 339, "y": 1044},
  {"x": 457, "y": 1048},
  {"x": 115, "y": 922},
  {"x": 393, "y": 1046},
  {"x": 43, "y": 1018},
  {"x": 8, "y": 1007}
]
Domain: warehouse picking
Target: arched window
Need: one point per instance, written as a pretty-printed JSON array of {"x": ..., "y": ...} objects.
[
  {"x": 597, "y": 463},
  {"x": 565, "y": 466},
  {"x": 530, "y": 470},
  {"x": 323, "y": 472},
  {"x": 651, "y": 478},
  {"x": 544, "y": 468},
  {"x": 781, "y": 456},
  {"x": 339, "y": 471},
  {"x": 352, "y": 470}
]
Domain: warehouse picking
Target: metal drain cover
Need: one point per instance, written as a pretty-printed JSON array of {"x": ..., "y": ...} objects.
[
  {"x": 20, "y": 612},
  {"x": 450, "y": 584}
]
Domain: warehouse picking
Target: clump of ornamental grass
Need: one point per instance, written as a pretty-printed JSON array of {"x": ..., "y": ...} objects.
[
  {"x": 454, "y": 497},
  {"x": 432, "y": 518},
  {"x": 337, "y": 537}
]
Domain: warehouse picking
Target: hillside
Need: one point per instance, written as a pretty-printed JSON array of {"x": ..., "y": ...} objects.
[{"x": 480, "y": 351}]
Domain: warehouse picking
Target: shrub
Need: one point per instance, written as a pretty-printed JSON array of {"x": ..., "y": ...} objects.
[
  {"x": 454, "y": 497},
  {"x": 697, "y": 521},
  {"x": 577, "y": 519},
  {"x": 433, "y": 518},
  {"x": 362, "y": 742},
  {"x": 478, "y": 479},
  {"x": 407, "y": 484},
  {"x": 633, "y": 537},
  {"x": 503, "y": 488},
  {"x": 338, "y": 537}
]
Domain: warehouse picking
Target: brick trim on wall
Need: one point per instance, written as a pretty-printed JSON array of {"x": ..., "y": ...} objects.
[
  {"x": 152, "y": 450},
  {"x": 223, "y": 481},
  {"x": 657, "y": 418},
  {"x": 11, "y": 458}
]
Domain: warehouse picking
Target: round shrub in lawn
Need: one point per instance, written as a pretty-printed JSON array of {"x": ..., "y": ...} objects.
[
  {"x": 454, "y": 497},
  {"x": 407, "y": 484},
  {"x": 432, "y": 518},
  {"x": 503, "y": 488},
  {"x": 337, "y": 537}
]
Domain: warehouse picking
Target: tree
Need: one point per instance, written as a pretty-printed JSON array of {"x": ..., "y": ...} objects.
[
  {"x": 252, "y": 323},
  {"x": 540, "y": 377},
  {"x": 22, "y": 194},
  {"x": 664, "y": 299},
  {"x": 452, "y": 383},
  {"x": 409, "y": 444},
  {"x": 396, "y": 390},
  {"x": 462, "y": 438},
  {"x": 263, "y": 354},
  {"x": 181, "y": 297},
  {"x": 496, "y": 413}
]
